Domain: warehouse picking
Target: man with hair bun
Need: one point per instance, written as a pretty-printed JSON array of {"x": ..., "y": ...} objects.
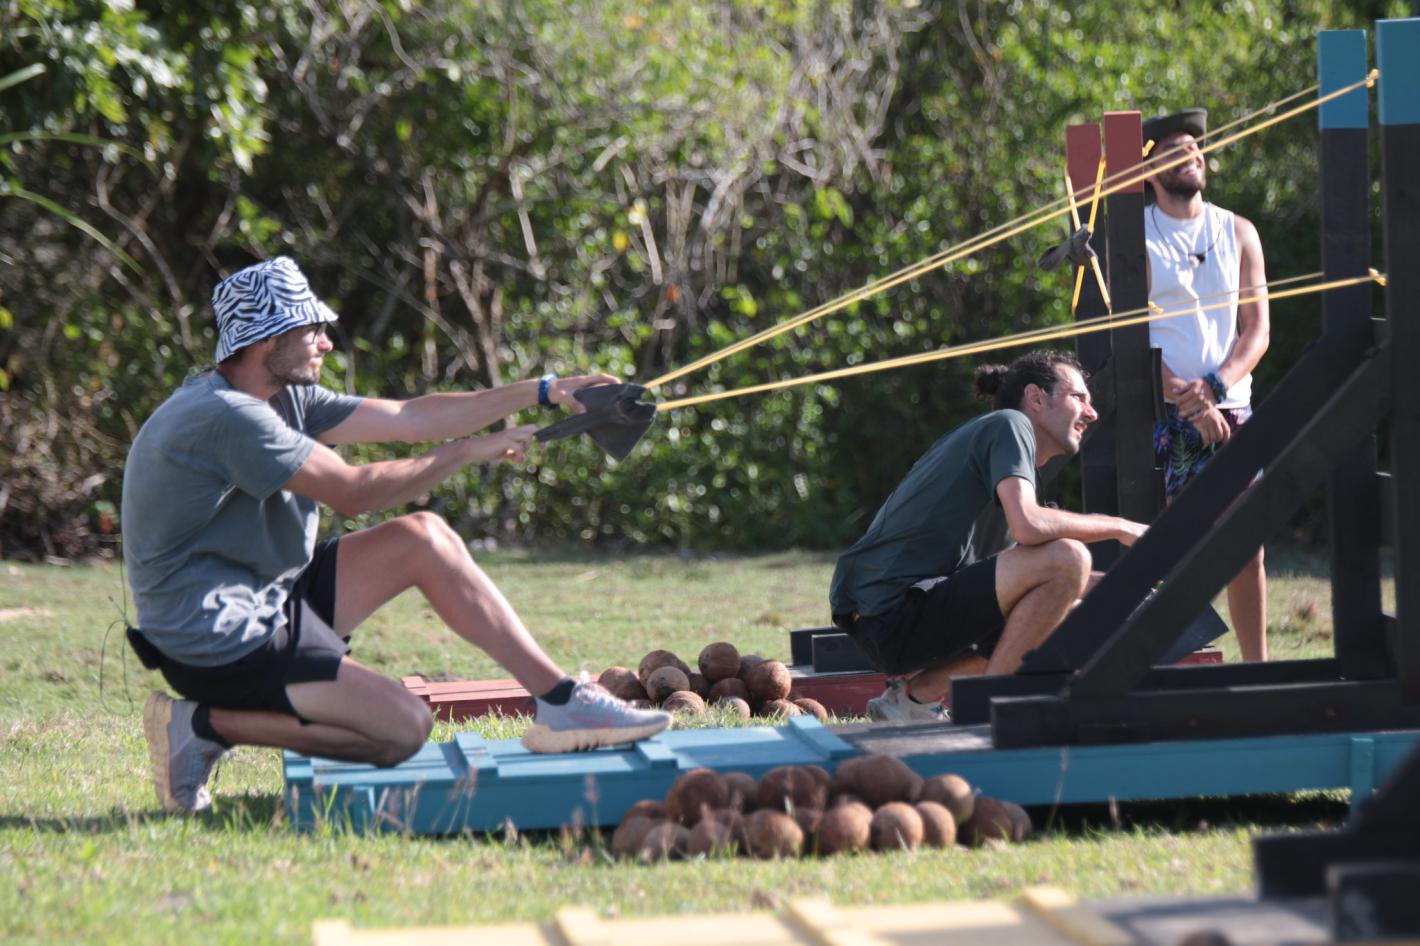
[{"x": 927, "y": 592}]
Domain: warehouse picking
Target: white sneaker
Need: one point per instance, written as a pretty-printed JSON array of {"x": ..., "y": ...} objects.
[
  {"x": 182, "y": 760},
  {"x": 591, "y": 718},
  {"x": 896, "y": 706}
]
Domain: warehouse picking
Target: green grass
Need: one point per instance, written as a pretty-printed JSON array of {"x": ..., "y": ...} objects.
[{"x": 85, "y": 856}]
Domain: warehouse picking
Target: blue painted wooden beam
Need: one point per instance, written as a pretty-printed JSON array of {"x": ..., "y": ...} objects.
[{"x": 473, "y": 784}]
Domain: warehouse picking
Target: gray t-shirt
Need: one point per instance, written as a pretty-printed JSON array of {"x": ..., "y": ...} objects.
[
  {"x": 942, "y": 516},
  {"x": 212, "y": 542}
]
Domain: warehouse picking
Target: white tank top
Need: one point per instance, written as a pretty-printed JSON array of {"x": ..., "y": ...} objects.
[{"x": 1189, "y": 261}]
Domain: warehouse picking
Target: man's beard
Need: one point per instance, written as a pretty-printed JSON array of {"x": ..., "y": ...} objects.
[
  {"x": 289, "y": 363},
  {"x": 1180, "y": 188}
]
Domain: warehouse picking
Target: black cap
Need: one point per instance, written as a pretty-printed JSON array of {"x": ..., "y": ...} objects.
[{"x": 1192, "y": 120}]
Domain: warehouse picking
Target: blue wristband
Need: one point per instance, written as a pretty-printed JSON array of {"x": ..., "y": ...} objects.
[
  {"x": 543, "y": 384},
  {"x": 1220, "y": 390}
]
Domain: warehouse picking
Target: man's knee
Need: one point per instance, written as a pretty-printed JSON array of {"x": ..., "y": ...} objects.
[
  {"x": 1070, "y": 559},
  {"x": 431, "y": 533},
  {"x": 407, "y": 737}
]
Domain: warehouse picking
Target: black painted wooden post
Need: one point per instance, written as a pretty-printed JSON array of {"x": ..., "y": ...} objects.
[
  {"x": 1082, "y": 158},
  {"x": 1353, "y": 500},
  {"x": 1398, "y": 58},
  {"x": 1139, "y": 485}
]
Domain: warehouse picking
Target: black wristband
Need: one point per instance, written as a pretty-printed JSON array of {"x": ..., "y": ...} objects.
[{"x": 543, "y": 384}]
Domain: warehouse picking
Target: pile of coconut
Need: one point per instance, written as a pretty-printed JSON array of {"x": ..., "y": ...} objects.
[
  {"x": 869, "y": 803},
  {"x": 748, "y": 684}
]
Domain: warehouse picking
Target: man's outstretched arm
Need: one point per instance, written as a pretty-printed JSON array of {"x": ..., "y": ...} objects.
[
  {"x": 455, "y": 414},
  {"x": 371, "y": 487},
  {"x": 1033, "y": 524}
]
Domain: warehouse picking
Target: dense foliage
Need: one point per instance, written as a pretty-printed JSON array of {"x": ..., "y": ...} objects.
[{"x": 487, "y": 191}]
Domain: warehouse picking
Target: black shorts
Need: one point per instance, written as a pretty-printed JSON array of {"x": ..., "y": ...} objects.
[
  {"x": 300, "y": 652},
  {"x": 938, "y": 620}
]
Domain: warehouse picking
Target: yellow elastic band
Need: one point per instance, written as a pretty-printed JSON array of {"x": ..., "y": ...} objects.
[{"x": 1104, "y": 323}]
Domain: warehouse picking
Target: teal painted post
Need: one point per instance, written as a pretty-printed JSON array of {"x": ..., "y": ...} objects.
[{"x": 1398, "y": 58}]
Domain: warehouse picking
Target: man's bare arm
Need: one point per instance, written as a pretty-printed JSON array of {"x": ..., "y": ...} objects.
[
  {"x": 1254, "y": 318},
  {"x": 1033, "y": 524},
  {"x": 454, "y": 414},
  {"x": 351, "y": 490}
]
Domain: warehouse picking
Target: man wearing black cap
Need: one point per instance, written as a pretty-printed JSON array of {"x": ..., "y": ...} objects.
[
  {"x": 1206, "y": 264},
  {"x": 249, "y": 617}
]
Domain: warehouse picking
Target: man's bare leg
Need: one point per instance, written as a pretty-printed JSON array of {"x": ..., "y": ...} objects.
[
  {"x": 422, "y": 551},
  {"x": 1035, "y": 587},
  {"x": 1247, "y": 606},
  {"x": 361, "y": 716},
  {"x": 938, "y": 680}
]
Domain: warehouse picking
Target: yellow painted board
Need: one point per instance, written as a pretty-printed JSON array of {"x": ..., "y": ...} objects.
[{"x": 1044, "y": 917}]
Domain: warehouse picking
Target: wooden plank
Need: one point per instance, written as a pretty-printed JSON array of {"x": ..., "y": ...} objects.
[
  {"x": 1139, "y": 485},
  {"x": 1070, "y": 918},
  {"x": 842, "y": 694},
  {"x": 1398, "y": 58},
  {"x": 1083, "y": 150},
  {"x": 1147, "y": 715},
  {"x": 1353, "y": 511}
]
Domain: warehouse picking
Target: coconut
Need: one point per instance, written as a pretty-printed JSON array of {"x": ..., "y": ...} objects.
[
  {"x": 741, "y": 789},
  {"x": 808, "y": 820},
  {"x": 719, "y": 661},
  {"x": 735, "y": 821},
  {"x": 619, "y": 680},
  {"x": 647, "y": 808},
  {"x": 939, "y": 828},
  {"x": 737, "y": 706},
  {"x": 896, "y": 826},
  {"x": 989, "y": 821},
  {"x": 845, "y": 827},
  {"x": 811, "y": 707},
  {"x": 693, "y": 793},
  {"x": 657, "y": 659},
  {"x": 1020, "y": 821},
  {"x": 773, "y": 834},
  {"x": 727, "y": 688},
  {"x": 622, "y": 684},
  {"x": 663, "y": 681},
  {"x": 747, "y": 663},
  {"x": 952, "y": 792},
  {"x": 781, "y": 708},
  {"x": 790, "y": 787},
  {"x": 684, "y": 701},
  {"x": 626, "y": 839},
  {"x": 769, "y": 680},
  {"x": 877, "y": 779},
  {"x": 711, "y": 837},
  {"x": 665, "y": 841},
  {"x": 699, "y": 685}
]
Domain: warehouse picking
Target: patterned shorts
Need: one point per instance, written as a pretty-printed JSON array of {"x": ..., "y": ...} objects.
[{"x": 1180, "y": 447}]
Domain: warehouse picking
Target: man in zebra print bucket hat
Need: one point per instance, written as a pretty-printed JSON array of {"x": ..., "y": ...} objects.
[{"x": 249, "y": 617}]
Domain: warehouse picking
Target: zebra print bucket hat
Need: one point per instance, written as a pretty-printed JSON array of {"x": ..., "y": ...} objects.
[{"x": 263, "y": 300}]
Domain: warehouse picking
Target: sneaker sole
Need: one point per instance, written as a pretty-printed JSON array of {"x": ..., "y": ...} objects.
[
  {"x": 540, "y": 738},
  {"x": 157, "y": 714}
]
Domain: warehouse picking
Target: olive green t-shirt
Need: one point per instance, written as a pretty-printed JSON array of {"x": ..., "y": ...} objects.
[{"x": 935, "y": 521}]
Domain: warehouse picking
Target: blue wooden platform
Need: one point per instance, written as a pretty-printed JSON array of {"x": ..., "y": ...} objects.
[{"x": 473, "y": 784}]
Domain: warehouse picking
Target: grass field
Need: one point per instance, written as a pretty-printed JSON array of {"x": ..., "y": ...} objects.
[{"x": 85, "y": 856}]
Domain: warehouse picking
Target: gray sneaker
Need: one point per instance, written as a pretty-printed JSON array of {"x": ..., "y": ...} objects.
[
  {"x": 895, "y": 706},
  {"x": 591, "y": 718},
  {"x": 182, "y": 760}
]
